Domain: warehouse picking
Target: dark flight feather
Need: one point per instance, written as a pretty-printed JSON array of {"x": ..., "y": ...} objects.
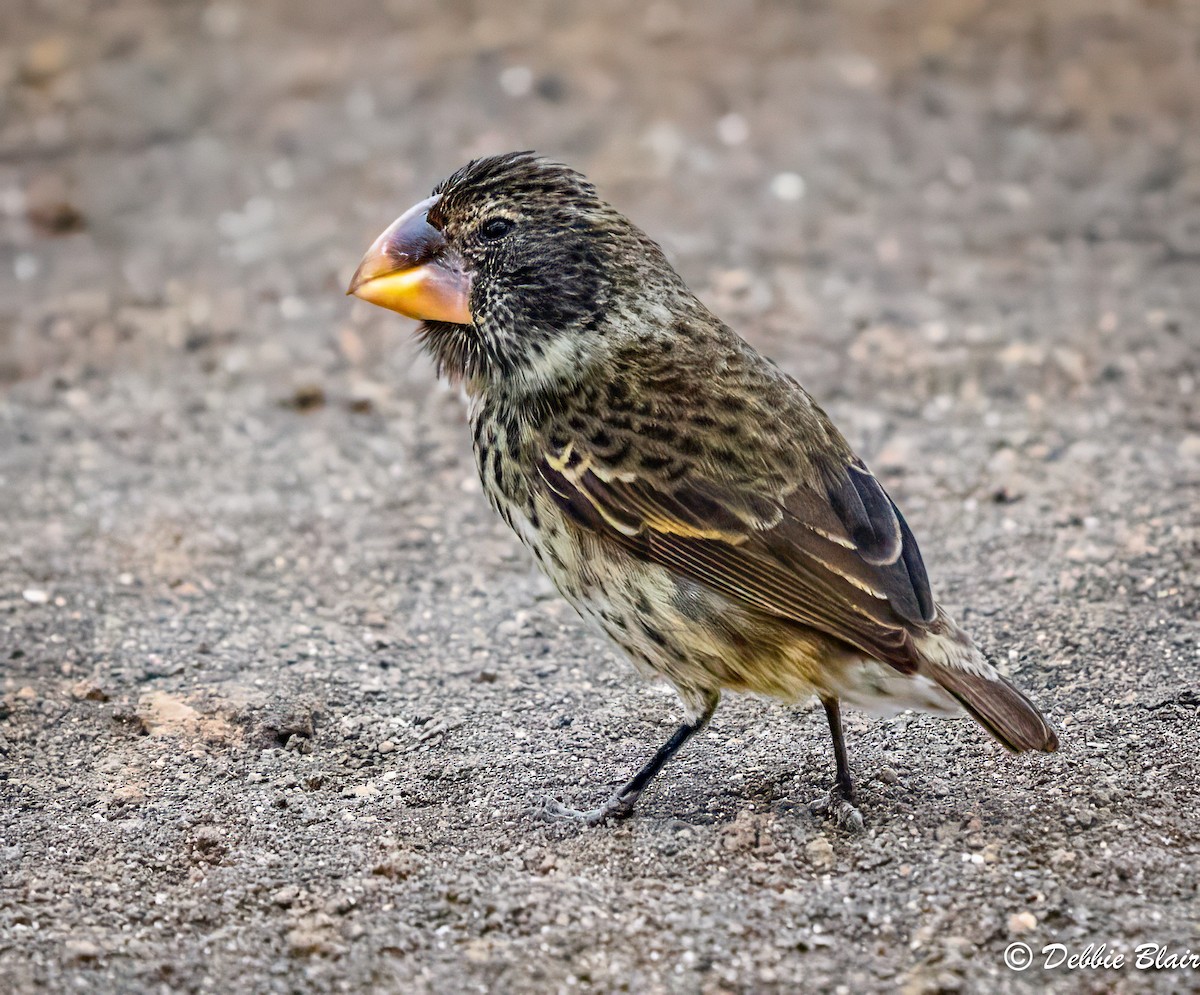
[
  {"x": 797, "y": 562},
  {"x": 998, "y": 706}
]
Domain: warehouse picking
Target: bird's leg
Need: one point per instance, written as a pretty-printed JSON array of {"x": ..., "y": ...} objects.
[
  {"x": 839, "y": 802},
  {"x": 620, "y": 805}
]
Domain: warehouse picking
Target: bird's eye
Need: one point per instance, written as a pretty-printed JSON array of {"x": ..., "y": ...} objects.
[{"x": 495, "y": 228}]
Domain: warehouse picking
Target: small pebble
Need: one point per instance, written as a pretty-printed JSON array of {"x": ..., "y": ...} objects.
[
  {"x": 1022, "y": 922},
  {"x": 517, "y": 81},
  {"x": 26, "y": 266},
  {"x": 88, "y": 691},
  {"x": 82, "y": 950},
  {"x": 129, "y": 794},
  {"x": 787, "y": 186},
  {"x": 286, "y": 896},
  {"x": 45, "y": 59},
  {"x": 733, "y": 129},
  {"x": 820, "y": 852}
]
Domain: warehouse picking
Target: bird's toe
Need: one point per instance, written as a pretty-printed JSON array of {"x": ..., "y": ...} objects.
[
  {"x": 552, "y": 810},
  {"x": 619, "y": 806},
  {"x": 845, "y": 813}
]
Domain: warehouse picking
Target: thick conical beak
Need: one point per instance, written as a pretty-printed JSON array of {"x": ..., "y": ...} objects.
[{"x": 411, "y": 268}]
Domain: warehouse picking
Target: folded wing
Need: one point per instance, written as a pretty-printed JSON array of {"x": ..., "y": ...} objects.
[{"x": 839, "y": 558}]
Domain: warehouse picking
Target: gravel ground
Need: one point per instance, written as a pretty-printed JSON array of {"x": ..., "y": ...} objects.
[{"x": 278, "y": 692}]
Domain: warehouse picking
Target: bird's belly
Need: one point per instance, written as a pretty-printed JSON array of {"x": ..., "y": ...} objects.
[
  {"x": 695, "y": 637},
  {"x": 876, "y": 687},
  {"x": 667, "y": 631},
  {"x": 625, "y": 599}
]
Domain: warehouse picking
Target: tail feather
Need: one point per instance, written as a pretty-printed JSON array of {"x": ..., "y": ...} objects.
[{"x": 998, "y": 706}]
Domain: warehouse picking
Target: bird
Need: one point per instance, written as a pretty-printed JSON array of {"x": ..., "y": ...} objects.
[{"x": 686, "y": 495}]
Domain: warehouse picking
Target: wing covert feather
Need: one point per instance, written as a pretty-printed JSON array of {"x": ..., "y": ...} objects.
[{"x": 840, "y": 558}]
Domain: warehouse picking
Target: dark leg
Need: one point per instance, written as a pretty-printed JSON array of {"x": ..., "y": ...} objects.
[
  {"x": 620, "y": 805},
  {"x": 840, "y": 802},
  {"x": 844, "y": 782}
]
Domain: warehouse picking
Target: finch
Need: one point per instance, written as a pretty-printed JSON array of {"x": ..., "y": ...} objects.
[{"x": 682, "y": 492}]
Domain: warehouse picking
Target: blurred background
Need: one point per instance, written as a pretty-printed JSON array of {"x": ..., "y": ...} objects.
[
  {"x": 245, "y": 567},
  {"x": 200, "y": 177}
]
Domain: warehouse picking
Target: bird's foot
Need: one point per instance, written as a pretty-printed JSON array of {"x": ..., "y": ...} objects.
[
  {"x": 619, "y": 806},
  {"x": 838, "y": 804}
]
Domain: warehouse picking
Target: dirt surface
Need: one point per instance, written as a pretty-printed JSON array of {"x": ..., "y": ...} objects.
[{"x": 279, "y": 693}]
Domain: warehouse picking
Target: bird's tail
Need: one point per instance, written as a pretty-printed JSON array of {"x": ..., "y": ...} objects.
[
  {"x": 948, "y": 656},
  {"x": 998, "y": 706}
]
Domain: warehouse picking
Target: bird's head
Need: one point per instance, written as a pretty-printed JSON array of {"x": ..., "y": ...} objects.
[{"x": 514, "y": 265}]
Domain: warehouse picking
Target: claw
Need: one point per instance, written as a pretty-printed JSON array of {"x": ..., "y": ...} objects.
[
  {"x": 835, "y": 805},
  {"x": 617, "y": 807}
]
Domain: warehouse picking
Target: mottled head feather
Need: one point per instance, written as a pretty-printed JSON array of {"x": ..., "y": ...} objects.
[
  {"x": 516, "y": 177},
  {"x": 546, "y": 290}
]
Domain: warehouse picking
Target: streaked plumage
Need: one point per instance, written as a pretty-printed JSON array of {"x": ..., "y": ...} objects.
[{"x": 681, "y": 491}]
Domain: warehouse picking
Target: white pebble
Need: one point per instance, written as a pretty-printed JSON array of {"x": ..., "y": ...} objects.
[
  {"x": 26, "y": 267},
  {"x": 35, "y": 595},
  {"x": 292, "y": 307},
  {"x": 517, "y": 81},
  {"x": 733, "y": 129},
  {"x": 788, "y": 186}
]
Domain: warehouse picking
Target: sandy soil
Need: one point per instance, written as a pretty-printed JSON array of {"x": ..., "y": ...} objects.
[{"x": 278, "y": 693}]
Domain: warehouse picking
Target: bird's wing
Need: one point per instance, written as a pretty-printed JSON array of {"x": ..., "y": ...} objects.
[{"x": 837, "y": 556}]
